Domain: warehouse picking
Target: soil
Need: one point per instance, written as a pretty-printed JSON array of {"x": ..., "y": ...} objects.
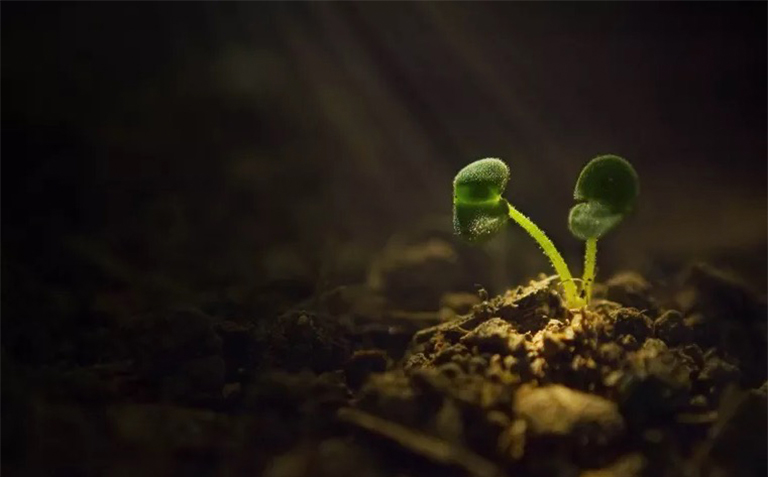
[
  {"x": 362, "y": 381},
  {"x": 187, "y": 186}
]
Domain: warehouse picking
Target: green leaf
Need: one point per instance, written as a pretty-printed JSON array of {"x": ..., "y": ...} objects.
[
  {"x": 607, "y": 188},
  {"x": 479, "y": 211},
  {"x": 591, "y": 220},
  {"x": 479, "y": 222},
  {"x": 609, "y": 180},
  {"x": 481, "y": 181}
]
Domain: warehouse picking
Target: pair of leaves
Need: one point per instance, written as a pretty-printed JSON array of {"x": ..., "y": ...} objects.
[{"x": 607, "y": 189}]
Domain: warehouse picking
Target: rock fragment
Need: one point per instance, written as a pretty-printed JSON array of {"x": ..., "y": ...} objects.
[
  {"x": 558, "y": 411},
  {"x": 631, "y": 290},
  {"x": 630, "y": 321},
  {"x": 495, "y": 336}
]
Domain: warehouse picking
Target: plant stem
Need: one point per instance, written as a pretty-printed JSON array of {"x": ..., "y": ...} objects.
[
  {"x": 590, "y": 260},
  {"x": 571, "y": 295}
]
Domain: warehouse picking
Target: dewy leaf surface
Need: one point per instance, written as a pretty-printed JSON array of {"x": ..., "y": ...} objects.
[
  {"x": 479, "y": 222},
  {"x": 481, "y": 181},
  {"x": 592, "y": 220},
  {"x": 479, "y": 212}
]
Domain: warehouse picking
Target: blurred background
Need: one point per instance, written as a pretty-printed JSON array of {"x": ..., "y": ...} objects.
[{"x": 164, "y": 152}]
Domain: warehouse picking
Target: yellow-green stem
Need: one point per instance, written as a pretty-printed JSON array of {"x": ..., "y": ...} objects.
[
  {"x": 590, "y": 259},
  {"x": 571, "y": 295}
]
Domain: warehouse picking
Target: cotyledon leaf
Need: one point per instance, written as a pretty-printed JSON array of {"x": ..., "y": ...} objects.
[
  {"x": 479, "y": 211},
  {"x": 607, "y": 189},
  {"x": 591, "y": 220}
]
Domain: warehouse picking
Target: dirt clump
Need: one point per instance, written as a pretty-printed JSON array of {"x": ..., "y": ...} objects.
[
  {"x": 608, "y": 389},
  {"x": 647, "y": 380}
]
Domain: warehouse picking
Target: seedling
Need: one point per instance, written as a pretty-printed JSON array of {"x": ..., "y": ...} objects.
[
  {"x": 605, "y": 186},
  {"x": 607, "y": 189},
  {"x": 479, "y": 212}
]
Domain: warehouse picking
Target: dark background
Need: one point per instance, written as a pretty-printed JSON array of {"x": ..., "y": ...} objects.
[{"x": 156, "y": 153}]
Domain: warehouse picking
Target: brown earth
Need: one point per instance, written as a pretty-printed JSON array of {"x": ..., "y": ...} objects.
[{"x": 648, "y": 380}]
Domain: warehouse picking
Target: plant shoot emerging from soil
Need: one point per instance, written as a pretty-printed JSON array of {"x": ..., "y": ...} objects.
[
  {"x": 479, "y": 212},
  {"x": 607, "y": 189}
]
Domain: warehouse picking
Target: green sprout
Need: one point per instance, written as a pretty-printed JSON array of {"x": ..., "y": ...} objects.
[
  {"x": 607, "y": 189},
  {"x": 479, "y": 212}
]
